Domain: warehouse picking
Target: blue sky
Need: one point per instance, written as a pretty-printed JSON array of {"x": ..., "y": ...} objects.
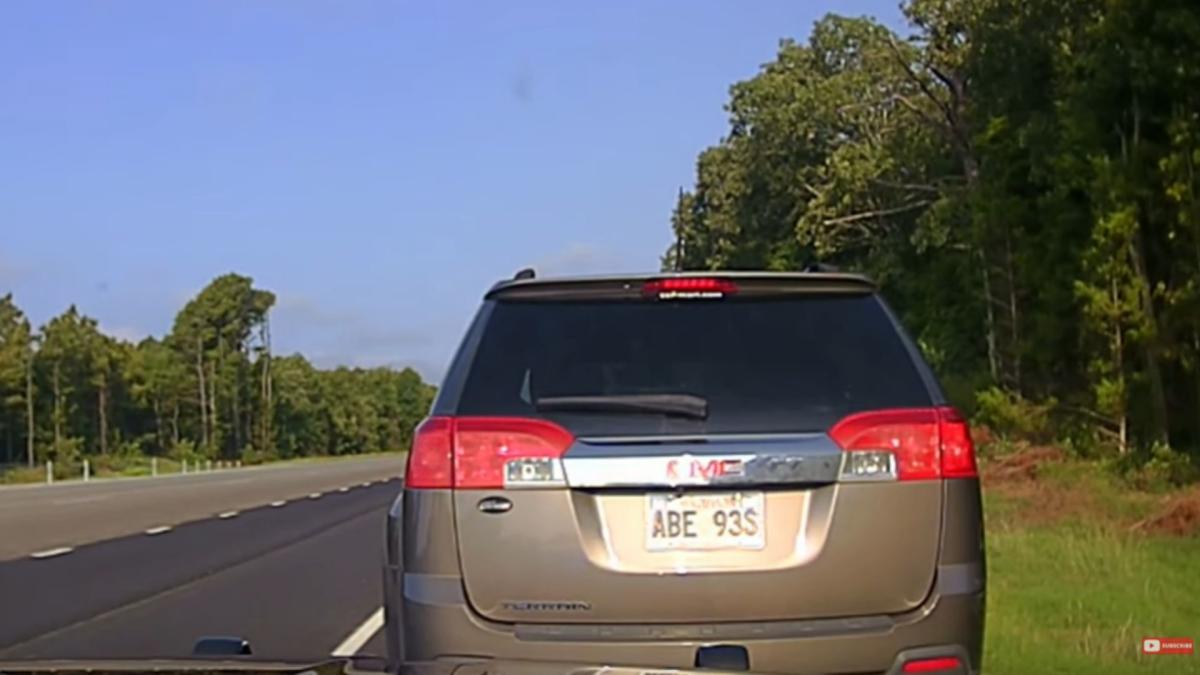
[{"x": 375, "y": 164}]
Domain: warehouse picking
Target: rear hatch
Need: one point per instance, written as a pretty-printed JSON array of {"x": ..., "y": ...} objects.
[{"x": 677, "y": 451}]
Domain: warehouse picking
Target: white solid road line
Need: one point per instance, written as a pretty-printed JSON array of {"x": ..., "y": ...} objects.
[
  {"x": 315, "y": 495},
  {"x": 50, "y": 553},
  {"x": 356, "y": 640},
  {"x": 278, "y": 503},
  {"x": 227, "y": 514},
  {"x": 158, "y": 530}
]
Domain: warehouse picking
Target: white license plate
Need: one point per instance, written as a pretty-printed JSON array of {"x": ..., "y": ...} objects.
[{"x": 703, "y": 521}]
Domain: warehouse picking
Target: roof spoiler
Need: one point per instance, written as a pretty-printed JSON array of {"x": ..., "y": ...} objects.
[{"x": 630, "y": 287}]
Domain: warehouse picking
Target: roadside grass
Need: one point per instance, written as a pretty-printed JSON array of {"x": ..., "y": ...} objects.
[
  {"x": 329, "y": 458},
  {"x": 1072, "y": 587},
  {"x": 22, "y": 474}
]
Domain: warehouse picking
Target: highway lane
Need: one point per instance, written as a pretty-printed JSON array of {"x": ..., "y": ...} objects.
[
  {"x": 296, "y": 580},
  {"x": 42, "y": 518}
]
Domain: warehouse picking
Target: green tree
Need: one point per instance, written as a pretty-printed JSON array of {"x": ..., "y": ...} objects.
[
  {"x": 213, "y": 333},
  {"x": 156, "y": 379},
  {"x": 1020, "y": 176},
  {"x": 210, "y": 385},
  {"x": 76, "y": 368},
  {"x": 16, "y": 381},
  {"x": 301, "y": 414}
]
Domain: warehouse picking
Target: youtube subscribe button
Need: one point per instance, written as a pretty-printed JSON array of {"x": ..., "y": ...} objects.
[{"x": 1162, "y": 645}]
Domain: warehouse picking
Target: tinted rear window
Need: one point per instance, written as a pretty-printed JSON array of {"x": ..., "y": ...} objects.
[{"x": 765, "y": 366}]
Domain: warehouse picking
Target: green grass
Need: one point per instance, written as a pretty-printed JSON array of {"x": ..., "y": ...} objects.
[
  {"x": 331, "y": 458},
  {"x": 1077, "y": 594},
  {"x": 22, "y": 474}
]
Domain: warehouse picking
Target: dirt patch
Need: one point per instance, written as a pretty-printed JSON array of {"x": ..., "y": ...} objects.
[
  {"x": 1021, "y": 466},
  {"x": 1018, "y": 478},
  {"x": 1044, "y": 503},
  {"x": 1180, "y": 517}
]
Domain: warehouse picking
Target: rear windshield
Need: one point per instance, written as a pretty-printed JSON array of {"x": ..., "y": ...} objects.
[{"x": 774, "y": 365}]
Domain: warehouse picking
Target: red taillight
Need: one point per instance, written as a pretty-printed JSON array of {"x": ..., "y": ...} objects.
[
  {"x": 927, "y": 443},
  {"x": 909, "y": 434},
  {"x": 937, "y": 665},
  {"x": 476, "y": 452},
  {"x": 484, "y": 447},
  {"x": 430, "y": 463},
  {"x": 689, "y": 285},
  {"x": 958, "y": 452}
]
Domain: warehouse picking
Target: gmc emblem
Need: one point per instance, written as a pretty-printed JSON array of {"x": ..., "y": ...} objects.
[{"x": 703, "y": 469}]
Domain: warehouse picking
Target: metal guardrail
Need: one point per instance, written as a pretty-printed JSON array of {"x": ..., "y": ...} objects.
[{"x": 102, "y": 468}]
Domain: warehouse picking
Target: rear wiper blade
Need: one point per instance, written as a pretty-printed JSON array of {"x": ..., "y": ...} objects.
[{"x": 683, "y": 405}]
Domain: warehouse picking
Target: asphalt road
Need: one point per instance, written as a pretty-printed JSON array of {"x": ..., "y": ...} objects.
[
  {"x": 297, "y": 579},
  {"x": 38, "y": 518}
]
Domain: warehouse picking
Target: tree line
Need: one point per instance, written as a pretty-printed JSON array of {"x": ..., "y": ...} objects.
[
  {"x": 1021, "y": 177},
  {"x": 211, "y": 388}
]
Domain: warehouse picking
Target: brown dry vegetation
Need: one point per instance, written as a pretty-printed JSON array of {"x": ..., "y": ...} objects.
[
  {"x": 1180, "y": 516},
  {"x": 1042, "y": 485}
]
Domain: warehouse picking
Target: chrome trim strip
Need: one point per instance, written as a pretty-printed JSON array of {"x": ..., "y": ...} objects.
[
  {"x": 700, "y": 438},
  {"x": 669, "y": 471},
  {"x": 674, "y": 461},
  {"x": 665, "y": 471}
]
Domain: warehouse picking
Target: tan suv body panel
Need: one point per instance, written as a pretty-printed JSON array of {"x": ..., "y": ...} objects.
[
  {"x": 580, "y": 557},
  {"x": 429, "y": 617}
]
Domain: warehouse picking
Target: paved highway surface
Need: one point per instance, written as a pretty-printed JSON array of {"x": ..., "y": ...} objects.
[
  {"x": 288, "y": 559},
  {"x": 37, "y": 518}
]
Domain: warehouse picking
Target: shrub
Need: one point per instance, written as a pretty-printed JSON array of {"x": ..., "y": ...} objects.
[
  {"x": 1156, "y": 468},
  {"x": 131, "y": 448},
  {"x": 185, "y": 450},
  {"x": 1012, "y": 416},
  {"x": 252, "y": 455}
]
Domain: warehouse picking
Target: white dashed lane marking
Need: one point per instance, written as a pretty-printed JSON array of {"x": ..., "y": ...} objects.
[
  {"x": 158, "y": 530},
  {"x": 315, "y": 495},
  {"x": 278, "y": 503},
  {"x": 227, "y": 514},
  {"x": 52, "y": 552}
]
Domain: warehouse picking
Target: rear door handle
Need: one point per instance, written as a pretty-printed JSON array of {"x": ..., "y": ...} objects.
[{"x": 495, "y": 505}]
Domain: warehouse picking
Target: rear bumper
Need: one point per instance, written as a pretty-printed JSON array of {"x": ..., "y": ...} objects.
[{"x": 428, "y": 619}]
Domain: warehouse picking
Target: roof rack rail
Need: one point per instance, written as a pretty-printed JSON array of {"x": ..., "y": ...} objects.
[{"x": 527, "y": 273}]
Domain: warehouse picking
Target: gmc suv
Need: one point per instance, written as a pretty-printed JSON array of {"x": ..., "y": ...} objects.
[{"x": 742, "y": 471}]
